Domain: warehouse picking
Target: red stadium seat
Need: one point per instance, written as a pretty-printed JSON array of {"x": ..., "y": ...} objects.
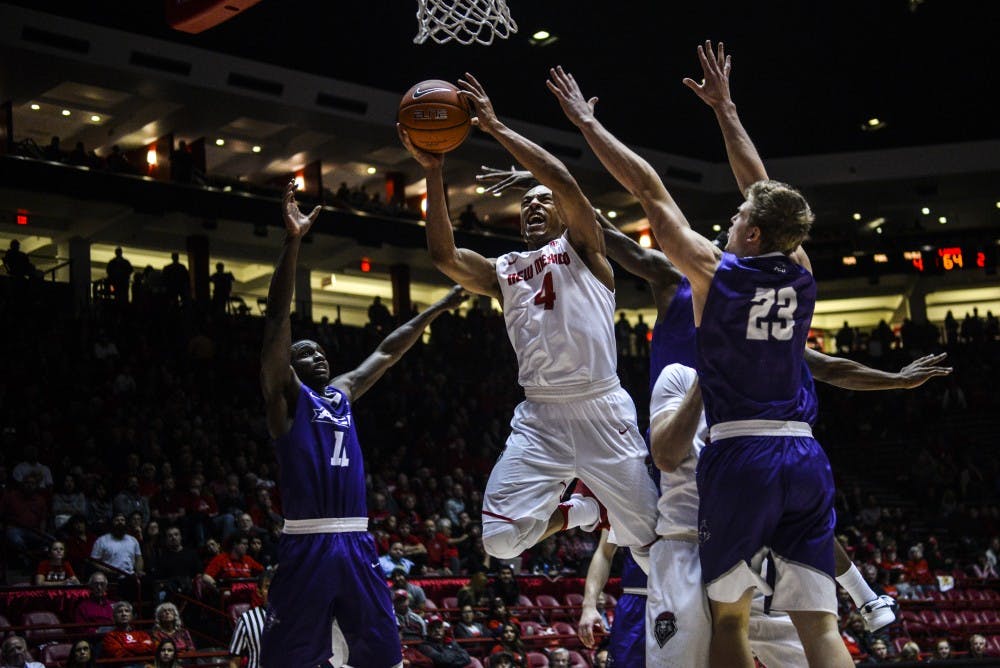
[
  {"x": 576, "y": 660},
  {"x": 552, "y": 609},
  {"x": 36, "y": 637},
  {"x": 56, "y": 654},
  {"x": 977, "y": 598},
  {"x": 908, "y": 615},
  {"x": 450, "y": 602},
  {"x": 236, "y": 610},
  {"x": 563, "y": 628},
  {"x": 525, "y": 602},
  {"x": 915, "y": 629},
  {"x": 4, "y": 627},
  {"x": 931, "y": 619},
  {"x": 574, "y": 600},
  {"x": 970, "y": 618},
  {"x": 537, "y": 660},
  {"x": 429, "y": 604},
  {"x": 993, "y": 646},
  {"x": 532, "y": 628},
  {"x": 951, "y": 620}
]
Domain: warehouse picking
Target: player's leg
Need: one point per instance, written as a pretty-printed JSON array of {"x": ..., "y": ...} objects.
[
  {"x": 741, "y": 500},
  {"x": 363, "y": 609},
  {"x": 773, "y": 638},
  {"x": 821, "y": 639},
  {"x": 803, "y": 551},
  {"x": 298, "y": 628},
  {"x": 612, "y": 462},
  {"x": 730, "y": 646},
  {"x": 877, "y": 611},
  {"x": 521, "y": 500},
  {"x": 678, "y": 623}
]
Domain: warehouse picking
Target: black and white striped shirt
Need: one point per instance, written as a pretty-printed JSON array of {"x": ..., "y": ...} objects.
[{"x": 246, "y": 636}]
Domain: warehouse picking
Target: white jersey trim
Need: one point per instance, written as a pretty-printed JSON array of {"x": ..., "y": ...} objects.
[
  {"x": 564, "y": 394},
  {"x": 326, "y": 525},
  {"x": 737, "y": 428}
]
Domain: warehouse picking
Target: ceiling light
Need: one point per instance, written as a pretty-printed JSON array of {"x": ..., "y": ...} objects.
[
  {"x": 35, "y": 107},
  {"x": 95, "y": 118},
  {"x": 942, "y": 220},
  {"x": 597, "y": 210},
  {"x": 878, "y": 230},
  {"x": 998, "y": 205},
  {"x": 480, "y": 190},
  {"x": 645, "y": 240},
  {"x": 497, "y": 194},
  {"x": 872, "y": 122},
  {"x": 856, "y": 216},
  {"x": 151, "y": 156},
  {"x": 541, "y": 34},
  {"x": 256, "y": 149},
  {"x": 220, "y": 142},
  {"x": 925, "y": 210},
  {"x": 371, "y": 170},
  {"x": 300, "y": 182},
  {"x": 66, "y": 112},
  {"x": 612, "y": 214},
  {"x": 716, "y": 228}
]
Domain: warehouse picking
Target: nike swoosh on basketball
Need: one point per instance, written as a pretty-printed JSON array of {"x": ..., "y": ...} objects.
[
  {"x": 421, "y": 92},
  {"x": 622, "y": 431}
]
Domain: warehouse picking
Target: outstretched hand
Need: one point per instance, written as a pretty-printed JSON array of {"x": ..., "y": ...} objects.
[
  {"x": 426, "y": 159},
  {"x": 455, "y": 297},
  {"x": 485, "y": 117},
  {"x": 589, "y": 619},
  {"x": 296, "y": 222},
  {"x": 504, "y": 179},
  {"x": 577, "y": 109},
  {"x": 919, "y": 371},
  {"x": 715, "y": 67}
]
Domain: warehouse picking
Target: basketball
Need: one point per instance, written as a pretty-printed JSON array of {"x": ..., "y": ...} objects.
[{"x": 435, "y": 116}]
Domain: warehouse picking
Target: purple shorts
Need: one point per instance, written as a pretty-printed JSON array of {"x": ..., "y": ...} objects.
[
  {"x": 627, "y": 644},
  {"x": 760, "y": 494},
  {"x": 322, "y": 578}
]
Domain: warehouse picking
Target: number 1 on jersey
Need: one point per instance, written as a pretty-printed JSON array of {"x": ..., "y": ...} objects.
[
  {"x": 339, "y": 458},
  {"x": 546, "y": 297}
]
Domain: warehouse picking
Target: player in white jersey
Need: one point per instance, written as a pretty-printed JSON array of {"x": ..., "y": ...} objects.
[{"x": 558, "y": 302}]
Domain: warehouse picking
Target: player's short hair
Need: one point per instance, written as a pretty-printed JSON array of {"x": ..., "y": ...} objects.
[{"x": 781, "y": 213}]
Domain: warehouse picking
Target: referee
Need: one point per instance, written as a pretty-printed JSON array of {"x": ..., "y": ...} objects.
[{"x": 246, "y": 635}]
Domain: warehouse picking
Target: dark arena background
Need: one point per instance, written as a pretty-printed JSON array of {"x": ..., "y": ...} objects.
[{"x": 136, "y": 390}]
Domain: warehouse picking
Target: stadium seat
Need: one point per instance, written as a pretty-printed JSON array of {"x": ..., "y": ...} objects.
[
  {"x": 993, "y": 646},
  {"x": 563, "y": 628},
  {"x": 429, "y": 604},
  {"x": 915, "y": 629},
  {"x": 473, "y": 663},
  {"x": 552, "y": 609},
  {"x": 450, "y": 602},
  {"x": 537, "y": 660},
  {"x": 236, "y": 609},
  {"x": 525, "y": 602},
  {"x": 576, "y": 660},
  {"x": 56, "y": 654},
  {"x": 532, "y": 628},
  {"x": 574, "y": 600},
  {"x": 36, "y": 637},
  {"x": 951, "y": 620},
  {"x": 991, "y": 620},
  {"x": 977, "y": 598},
  {"x": 931, "y": 619},
  {"x": 971, "y": 620},
  {"x": 4, "y": 627}
]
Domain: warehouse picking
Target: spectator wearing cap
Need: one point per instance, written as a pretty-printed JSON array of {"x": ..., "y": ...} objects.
[
  {"x": 442, "y": 650},
  {"x": 411, "y": 625},
  {"x": 418, "y": 599}
]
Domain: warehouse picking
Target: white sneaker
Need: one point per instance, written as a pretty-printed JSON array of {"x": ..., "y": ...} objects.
[{"x": 879, "y": 612}]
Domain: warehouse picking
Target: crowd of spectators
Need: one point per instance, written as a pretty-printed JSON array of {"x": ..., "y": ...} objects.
[{"x": 133, "y": 452}]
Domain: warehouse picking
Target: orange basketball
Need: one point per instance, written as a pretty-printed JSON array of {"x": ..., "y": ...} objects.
[{"x": 435, "y": 116}]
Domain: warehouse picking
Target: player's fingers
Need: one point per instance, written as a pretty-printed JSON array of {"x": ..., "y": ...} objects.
[
  {"x": 593, "y": 102},
  {"x": 315, "y": 213}
]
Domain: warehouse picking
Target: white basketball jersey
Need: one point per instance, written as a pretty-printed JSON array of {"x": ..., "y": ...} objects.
[
  {"x": 678, "y": 504},
  {"x": 560, "y": 318}
]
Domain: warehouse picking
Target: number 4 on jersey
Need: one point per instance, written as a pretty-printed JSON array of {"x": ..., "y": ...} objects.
[{"x": 546, "y": 297}]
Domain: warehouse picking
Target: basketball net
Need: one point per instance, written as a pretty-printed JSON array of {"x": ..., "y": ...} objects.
[{"x": 463, "y": 21}]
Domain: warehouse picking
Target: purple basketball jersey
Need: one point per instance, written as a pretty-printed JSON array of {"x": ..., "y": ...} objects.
[
  {"x": 319, "y": 459},
  {"x": 751, "y": 340},
  {"x": 674, "y": 335}
]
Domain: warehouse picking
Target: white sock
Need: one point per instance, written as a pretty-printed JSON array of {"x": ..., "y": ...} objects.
[
  {"x": 581, "y": 511},
  {"x": 855, "y": 584}
]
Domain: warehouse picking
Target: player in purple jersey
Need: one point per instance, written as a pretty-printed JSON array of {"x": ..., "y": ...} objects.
[
  {"x": 329, "y": 603},
  {"x": 764, "y": 482}
]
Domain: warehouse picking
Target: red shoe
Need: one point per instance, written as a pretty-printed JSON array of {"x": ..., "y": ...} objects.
[{"x": 581, "y": 490}]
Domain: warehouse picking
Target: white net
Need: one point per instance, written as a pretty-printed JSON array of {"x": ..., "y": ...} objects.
[{"x": 463, "y": 21}]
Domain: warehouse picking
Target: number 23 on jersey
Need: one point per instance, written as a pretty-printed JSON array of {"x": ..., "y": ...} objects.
[{"x": 761, "y": 324}]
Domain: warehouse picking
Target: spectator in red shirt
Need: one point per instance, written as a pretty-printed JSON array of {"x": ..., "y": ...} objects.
[
  {"x": 499, "y": 616},
  {"x": 918, "y": 571},
  {"x": 124, "y": 641},
  {"x": 96, "y": 609},
  {"x": 232, "y": 564},
  {"x": 441, "y": 555},
  {"x": 55, "y": 571}
]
